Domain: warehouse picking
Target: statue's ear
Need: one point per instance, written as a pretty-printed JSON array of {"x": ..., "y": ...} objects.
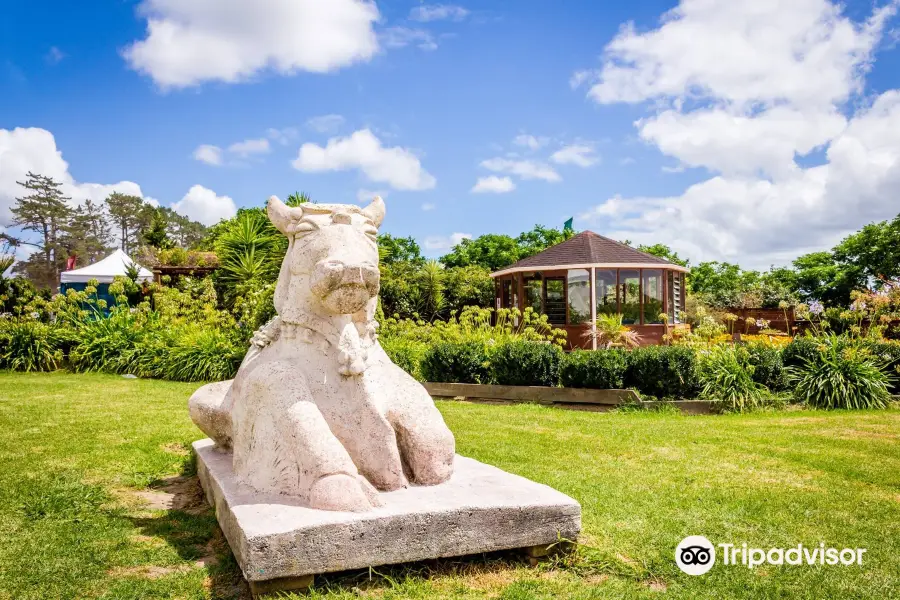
[
  {"x": 375, "y": 211},
  {"x": 281, "y": 214}
]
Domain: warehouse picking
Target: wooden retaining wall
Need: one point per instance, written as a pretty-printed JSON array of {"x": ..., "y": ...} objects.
[{"x": 579, "y": 398}]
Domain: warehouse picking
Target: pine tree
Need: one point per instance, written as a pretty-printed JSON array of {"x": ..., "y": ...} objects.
[
  {"x": 45, "y": 210},
  {"x": 157, "y": 235},
  {"x": 126, "y": 212},
  {"x": 88, "y": 235}
]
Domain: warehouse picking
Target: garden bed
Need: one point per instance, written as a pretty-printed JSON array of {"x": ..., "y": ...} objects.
[{"x": 557, "y": 396}]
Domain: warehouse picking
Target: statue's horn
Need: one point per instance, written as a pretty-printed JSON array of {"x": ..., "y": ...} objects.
[
  {"x": 281, "y": 214},
  {"x": 375, "y": 211}
]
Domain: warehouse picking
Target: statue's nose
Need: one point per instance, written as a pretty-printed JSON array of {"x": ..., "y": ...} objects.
[
  {"x": 359, "y": 274},
  {"x": 339, "y": 273}
]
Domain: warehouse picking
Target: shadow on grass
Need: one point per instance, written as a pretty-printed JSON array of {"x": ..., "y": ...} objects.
[{"x": 189, "y": 527}]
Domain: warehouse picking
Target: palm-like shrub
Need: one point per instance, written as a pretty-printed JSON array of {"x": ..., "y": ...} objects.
[
  {"x": 842, "y": 374},
  {"x": 611, "y": 333},
  {"x": 726, "y": 376},
  {"x": 29, "y": 345},
  {"x": 204, "y": 355},
  {"x": 108, "y": 344},
  {"x": 250, "y": 252}
]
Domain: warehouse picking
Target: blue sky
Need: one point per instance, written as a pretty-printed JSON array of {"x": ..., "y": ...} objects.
[{"x": 743, "y": 133}]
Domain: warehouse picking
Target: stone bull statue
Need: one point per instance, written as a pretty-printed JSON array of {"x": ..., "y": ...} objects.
[{"x": 317, "y": 410}]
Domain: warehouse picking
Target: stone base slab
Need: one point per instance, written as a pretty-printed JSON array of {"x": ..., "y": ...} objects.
[{"x": 480, "y": 509}]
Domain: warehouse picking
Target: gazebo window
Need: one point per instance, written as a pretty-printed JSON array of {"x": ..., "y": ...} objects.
[
  {"x": 607, "y": 304},
  {"x": 555, "y": 300},
  {"x": 579, "y": 293},
  {"x": 534, "y": 293},
  {"x": 653, "y": 296},
  {"x": 630, "y": 296},
  {"x": 506, "y": 293}
]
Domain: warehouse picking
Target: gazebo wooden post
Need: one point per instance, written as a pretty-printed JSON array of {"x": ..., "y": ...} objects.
[{"x": 593, "y": 308}]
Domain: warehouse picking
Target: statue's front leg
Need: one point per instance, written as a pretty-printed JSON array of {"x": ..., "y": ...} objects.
[
  {"x": 287, "y": 445},
  {"x": 334, "y": 482},
  {"x": 426, "y": 444}
]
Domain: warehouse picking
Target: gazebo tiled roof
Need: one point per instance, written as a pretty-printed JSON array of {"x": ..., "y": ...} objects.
[{"x": 587, "y": 249}]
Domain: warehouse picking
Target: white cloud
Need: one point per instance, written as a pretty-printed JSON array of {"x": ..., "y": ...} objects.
[
  {"x": 34, "y": 149},
  {"x": 325, "y": 123},
  {"x": 580, "y": 155},
  {"x": 189, "y": 42},
  {"x": 741, "y": 90},
  {"x": 438, "y": 12},
  {"x": 525, "y": 169},
  {"x": 624, "y": 162},
  {"x": 759, "y": 221},
  {"x": 428, "y": 206},
  {"x": 203, "y": 205},
  {"x": 529, "y": 141},
  {"x": 735, "y": 144},
  {"x": 249, "y": 148},
  {"x": 400, "y": 37},
  {"x": 209, "y": 154},
  {"x": 396, "y": 166},
  {"x": 742, "y": 53},
  {"x": 215, "y": 156},
  {"x": 493, "y": 184},
  {"x": 445, "y": 242}
]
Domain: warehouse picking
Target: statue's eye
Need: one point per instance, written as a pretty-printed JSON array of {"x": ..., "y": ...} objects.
[
  {"x": 371, "y": 231},
  {"x": 303, "y": 227}
]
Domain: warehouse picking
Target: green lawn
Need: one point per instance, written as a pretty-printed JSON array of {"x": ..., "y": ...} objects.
[{"x": 78, "y": 451}]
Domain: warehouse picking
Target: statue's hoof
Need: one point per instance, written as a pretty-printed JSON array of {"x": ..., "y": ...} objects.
[{"x": 341, "y": 492}]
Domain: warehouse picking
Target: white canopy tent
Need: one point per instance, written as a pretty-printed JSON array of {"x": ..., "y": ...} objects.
[{"x": 105, "y": 270}]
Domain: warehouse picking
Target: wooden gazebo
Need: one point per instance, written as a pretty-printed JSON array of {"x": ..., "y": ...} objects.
[{"x": 589, "y": 275}]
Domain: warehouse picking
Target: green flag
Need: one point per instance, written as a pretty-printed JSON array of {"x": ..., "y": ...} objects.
[{"x": 567, "y": 226}]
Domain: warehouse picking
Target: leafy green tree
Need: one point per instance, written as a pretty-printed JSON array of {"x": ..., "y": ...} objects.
[
  {"x": 45, "y": 211},
  {"x": 873, "y": 252},
  {"x": 819, "y": 276},
  {"x": 540, "y": 238},
  {"x": 468, "y": 286},
  {"x": 492, "y": 251},
  {"x": 396, "y": 249},
  {"x": 663, "y": 251}
]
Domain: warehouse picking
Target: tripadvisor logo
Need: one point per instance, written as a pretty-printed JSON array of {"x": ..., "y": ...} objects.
[{"x": 696, "y": 555}]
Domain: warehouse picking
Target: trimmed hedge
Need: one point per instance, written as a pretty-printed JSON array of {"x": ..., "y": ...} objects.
[
  {"x": 664, "y": 371},
  {"x": 454, "y": 362},
  {"x": 406, "y": 354},
  {"x": 768, "y": 367},
  {"x": 800, "y": 351},
  {"x": 526, "y": 363},
  {"x": 598, "y": 369},
  {"x": 889, "y": 354}
]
